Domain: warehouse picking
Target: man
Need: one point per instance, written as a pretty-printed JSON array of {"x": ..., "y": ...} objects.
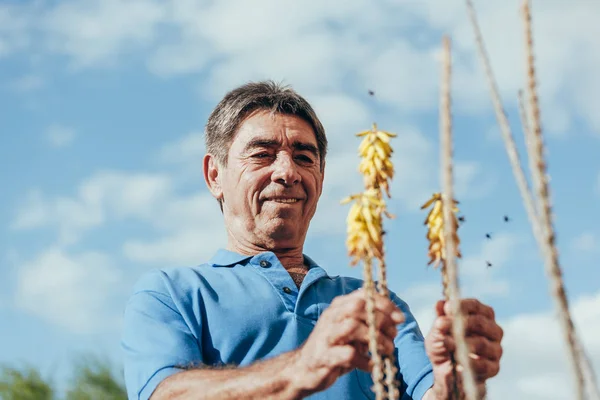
[{"x": 261, "y": 320}]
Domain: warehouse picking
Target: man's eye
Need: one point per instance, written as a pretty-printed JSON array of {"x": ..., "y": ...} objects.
[
  {"x": 304, "y": 158},
  {"x": 261, "y": 155}
]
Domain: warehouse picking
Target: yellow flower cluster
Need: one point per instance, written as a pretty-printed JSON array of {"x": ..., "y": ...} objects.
[
  {"x": 365, "y": 225},
  {"x": 376, "y": 152},
  {"x": 435, "y": 232}
]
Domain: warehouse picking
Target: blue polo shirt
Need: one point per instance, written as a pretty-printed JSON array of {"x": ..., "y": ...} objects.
[{"x": 237, "y": 309}]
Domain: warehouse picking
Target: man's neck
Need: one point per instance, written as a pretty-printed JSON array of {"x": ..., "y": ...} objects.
[{"x": 291, "y": 259}]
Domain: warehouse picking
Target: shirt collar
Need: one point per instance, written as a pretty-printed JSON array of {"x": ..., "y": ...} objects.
[{"x": 227, "y": 258}]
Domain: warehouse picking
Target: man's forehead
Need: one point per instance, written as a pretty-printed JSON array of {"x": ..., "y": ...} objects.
[{"x": 278, "y": 129}]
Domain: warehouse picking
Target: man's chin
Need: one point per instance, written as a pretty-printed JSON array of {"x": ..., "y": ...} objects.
[{"x": 285, "y": 233}]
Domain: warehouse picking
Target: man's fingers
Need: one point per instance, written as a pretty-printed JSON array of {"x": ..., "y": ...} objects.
[
  {"x": 362, "y": 360},
  {"x": 484, "y": 368},
  {"x": 475, "y": 325},
  {"x": 471, "y": 306},
  {"x": 355, "y": 331},
  {"x": 439, "y": 308},
  {"x": 485, "y": 348},
  {"x": 349, "y": 330},
  {"x": 478, "y": 325},
  {"x": 355, "y": 302},
  {"x": 479, "y": 347},
  {"x": 443, "y": 325},
  {"x": 350, "y": 356}
]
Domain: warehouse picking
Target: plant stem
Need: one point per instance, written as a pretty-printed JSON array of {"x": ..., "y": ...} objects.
[
  {"x": 377, "y": 373},
  {"x": 458, "y": 324},
  {"x": 507, "y": 136},
  {"x": 540, "y": 180},
  {"x": 389, "y": 364}
]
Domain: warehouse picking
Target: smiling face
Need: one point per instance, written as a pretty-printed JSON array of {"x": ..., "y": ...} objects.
[{"x": 271, "y": 183}]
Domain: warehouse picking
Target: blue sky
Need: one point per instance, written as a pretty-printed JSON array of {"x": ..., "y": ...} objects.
[{"x": 103, "y": 106}]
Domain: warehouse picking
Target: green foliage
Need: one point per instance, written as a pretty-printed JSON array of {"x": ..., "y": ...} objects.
[
  {"x": 24, "y": 384},
  {"x": 93, "y": 379}
]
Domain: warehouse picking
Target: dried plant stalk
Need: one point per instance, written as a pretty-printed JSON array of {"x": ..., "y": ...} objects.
[
  {"x": 437, "y": 256},
  {"x": 450, "y": 227},
  {"x": 540, "y": 180},
  {"x": 588, "y": 371},
  {"x": 388, "y": 362},
  {"x": 506, "y": 131},
  {"x": 365, "y": 241},
  {"x": 527, "y": 135},
  {"x": 516, "y": 164},
  {"x": 377, "y": 373}
]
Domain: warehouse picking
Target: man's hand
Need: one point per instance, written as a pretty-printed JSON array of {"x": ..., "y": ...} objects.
[
  {"x": 483, "y": 336},
  {"x": 340, "y": 340}
]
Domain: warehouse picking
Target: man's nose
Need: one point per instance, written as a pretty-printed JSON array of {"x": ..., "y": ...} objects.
[{"x": 285, "y": 171}]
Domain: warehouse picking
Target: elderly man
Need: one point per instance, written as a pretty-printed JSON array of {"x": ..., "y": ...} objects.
[{"x": 261, "y": 319}]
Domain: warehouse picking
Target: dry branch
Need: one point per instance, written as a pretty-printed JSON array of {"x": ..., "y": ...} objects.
[
  {"x": 532, "y": 210},
  {"x": 377, "y": 373},
  {"x": 450, "y": 227},
  {"x": 505, "y": 130},
  {"x": 388, "y": 362},
  {"x": 542, "y": 187}
]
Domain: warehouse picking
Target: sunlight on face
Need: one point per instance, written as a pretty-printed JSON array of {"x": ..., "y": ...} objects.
[{"x": 272, "y": 181}]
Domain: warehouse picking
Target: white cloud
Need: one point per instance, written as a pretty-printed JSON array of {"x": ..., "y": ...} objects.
[
  {"x": 95, "y": 32},
  {"x": 587, "y": 242},
  {"x": 323, "y": 47},
  {"x": 59, "y": 135},
  {"x": 183, "y": 247},
  {"x": 69, "y": 289},
  {"x": 186, "y": 153},
  {"x": 191, "y": 230},
  {"x": 342, "y": 116},
  {"x": 535, "y": 357},
  {"x": 106, "y": 194},
  {"x": 69, "y": 216}
]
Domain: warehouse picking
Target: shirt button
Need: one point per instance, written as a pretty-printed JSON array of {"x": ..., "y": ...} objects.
[
  {"x": 287, "y": 290},
  {"x": 265, "y": 264}
]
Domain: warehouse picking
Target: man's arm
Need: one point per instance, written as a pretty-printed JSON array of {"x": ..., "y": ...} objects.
[
  {"x": 157, "y": 340},
  {"x": 336, "y": 346},
  {"x": 274, "y": 378}
]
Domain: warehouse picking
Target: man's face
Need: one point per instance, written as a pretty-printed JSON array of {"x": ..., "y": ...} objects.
[{"x": 272, "y": 181}]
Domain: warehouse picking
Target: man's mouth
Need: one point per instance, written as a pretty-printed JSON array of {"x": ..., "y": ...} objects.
[{"x": 287, "y": 200}]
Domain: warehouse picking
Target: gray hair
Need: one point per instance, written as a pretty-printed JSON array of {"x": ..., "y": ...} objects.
[{"x": 242, "y": 101}]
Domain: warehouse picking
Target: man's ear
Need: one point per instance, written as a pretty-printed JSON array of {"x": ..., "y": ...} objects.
[{"x": 212, "y": 175}]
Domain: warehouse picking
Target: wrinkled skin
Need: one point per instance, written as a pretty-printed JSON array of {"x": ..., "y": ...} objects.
[{"x": 272, "y": 160}]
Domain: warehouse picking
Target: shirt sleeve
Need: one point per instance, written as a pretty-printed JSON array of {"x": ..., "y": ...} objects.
[
  {"x": 157, "y": 342},
  {"x": 415, "y": 372}
]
